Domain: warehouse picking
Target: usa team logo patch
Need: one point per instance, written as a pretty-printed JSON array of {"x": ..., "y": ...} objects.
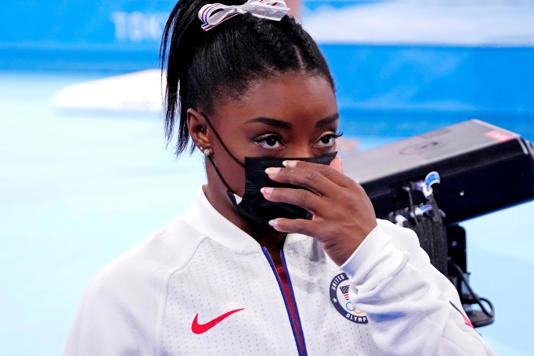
[{"x": 339, "y": 296}]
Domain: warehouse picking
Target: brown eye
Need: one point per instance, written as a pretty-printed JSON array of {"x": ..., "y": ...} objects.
[
  {"x": 269, "y": 141},
  {"x": 328, "y": 140}
]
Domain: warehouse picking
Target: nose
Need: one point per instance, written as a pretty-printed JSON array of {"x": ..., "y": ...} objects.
[{"x": 300, "y": 151}]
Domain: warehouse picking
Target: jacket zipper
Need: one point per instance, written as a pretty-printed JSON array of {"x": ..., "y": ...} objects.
[
  {"x": 301, "y": 349},
  {"x": 294, "y": 301}
]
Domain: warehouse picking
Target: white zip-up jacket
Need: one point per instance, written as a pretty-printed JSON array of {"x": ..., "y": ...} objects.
[{"x": 202, "y": 286}]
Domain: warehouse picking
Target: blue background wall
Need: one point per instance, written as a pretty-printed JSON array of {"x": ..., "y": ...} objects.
[
  {"x": 429, "y": 85},
  {"x": 81, "y": 35}
]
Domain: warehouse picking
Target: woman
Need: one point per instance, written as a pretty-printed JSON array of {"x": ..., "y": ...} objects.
[{"x": 280, "y": 253}]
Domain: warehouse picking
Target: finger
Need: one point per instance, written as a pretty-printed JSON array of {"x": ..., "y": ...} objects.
[
  {"x": 308, "y": 177},
  {"x": 300, "y": 197},
  {"x": 296, "y": 226},
  {"x": 327, "y": 171}
]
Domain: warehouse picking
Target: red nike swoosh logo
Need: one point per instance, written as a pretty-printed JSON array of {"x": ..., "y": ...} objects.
[{"x": 202, "y": 328}]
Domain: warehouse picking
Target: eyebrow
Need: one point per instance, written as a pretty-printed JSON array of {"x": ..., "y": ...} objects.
[
  {"x": 286, "y": 125},
  {"x": 271, "y": 122},
  {"x": 327, "y": 120}
]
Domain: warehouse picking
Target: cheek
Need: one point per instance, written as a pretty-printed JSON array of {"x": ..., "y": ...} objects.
[
  {"x": 336, "y": 164},
  {"x": 232, "y": 172},
  {"x": 237, "y": 180}
]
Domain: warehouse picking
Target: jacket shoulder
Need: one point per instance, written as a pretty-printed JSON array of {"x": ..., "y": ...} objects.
[
  {"x": 168, "y": 249},
  {"x": 122, "y": 305}
]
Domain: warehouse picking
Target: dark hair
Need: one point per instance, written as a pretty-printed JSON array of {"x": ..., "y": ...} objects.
[{"x": 224, "y": 61}]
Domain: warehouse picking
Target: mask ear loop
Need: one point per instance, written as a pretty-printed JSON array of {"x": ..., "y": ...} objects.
[
  {"x": 221, "y": 141},
  {"x": 229, "y": 191}
]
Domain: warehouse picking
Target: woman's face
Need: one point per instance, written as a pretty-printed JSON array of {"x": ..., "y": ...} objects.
[{"x": 292, "y": 115}]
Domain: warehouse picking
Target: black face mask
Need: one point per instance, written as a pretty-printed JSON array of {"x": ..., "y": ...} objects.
[{"x": 253, "y": 206}]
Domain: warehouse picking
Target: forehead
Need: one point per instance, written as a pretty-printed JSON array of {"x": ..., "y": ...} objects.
[{"x": 293, "y": 97}]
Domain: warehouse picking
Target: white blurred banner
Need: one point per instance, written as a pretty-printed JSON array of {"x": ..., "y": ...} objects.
[{"x": 434, "y": 22}]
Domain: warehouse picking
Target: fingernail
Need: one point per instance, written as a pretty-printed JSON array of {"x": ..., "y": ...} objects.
[
  {"x": 272, "y": 170},
  {"x": 290, "y": 164},
  {"x": 272, "y": 222},
  {"x": 266, "y": 190}
]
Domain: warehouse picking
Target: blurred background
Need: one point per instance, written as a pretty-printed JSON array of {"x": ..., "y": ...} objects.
[{"x": 86, "y": 175}]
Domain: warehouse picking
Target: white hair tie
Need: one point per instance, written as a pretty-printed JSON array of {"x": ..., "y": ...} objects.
[{"x": 213, "y": 14}]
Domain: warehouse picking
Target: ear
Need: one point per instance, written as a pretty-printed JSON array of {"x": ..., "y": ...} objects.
[{"x": 197, "y": 126}]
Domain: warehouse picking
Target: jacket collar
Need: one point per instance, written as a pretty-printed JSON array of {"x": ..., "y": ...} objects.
[{"x": 204, "y": 218}]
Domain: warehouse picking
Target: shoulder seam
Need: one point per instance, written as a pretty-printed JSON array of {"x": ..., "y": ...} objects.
[{"x": 163, "y": 305}]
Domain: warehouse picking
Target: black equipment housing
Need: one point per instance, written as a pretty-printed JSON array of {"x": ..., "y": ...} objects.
[{"x": 483, "y": 168}]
